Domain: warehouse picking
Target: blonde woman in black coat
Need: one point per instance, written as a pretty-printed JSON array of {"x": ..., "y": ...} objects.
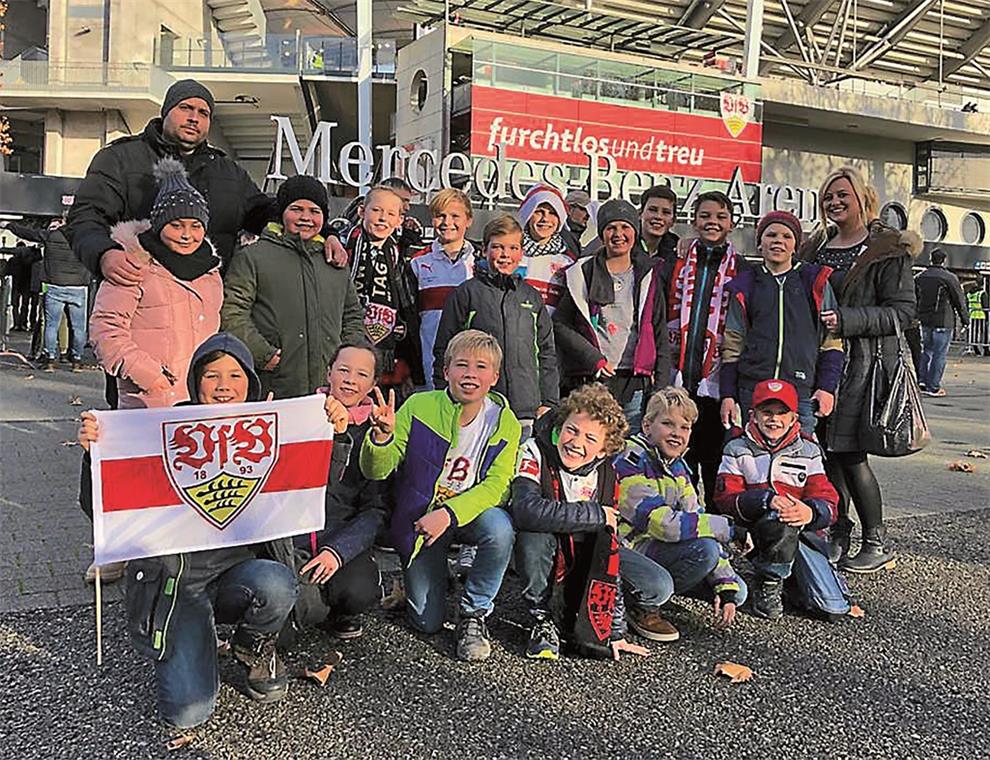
[{"x": 874, "y": 287}]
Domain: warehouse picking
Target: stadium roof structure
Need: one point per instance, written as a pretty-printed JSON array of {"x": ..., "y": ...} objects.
[{"x": 824, "y": 42}]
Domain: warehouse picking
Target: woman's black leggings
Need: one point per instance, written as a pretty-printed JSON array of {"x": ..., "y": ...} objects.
[{"x": 852, "y": 477}]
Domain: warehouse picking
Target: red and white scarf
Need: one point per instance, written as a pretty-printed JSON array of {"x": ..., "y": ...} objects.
[{"x": 680, "y": 300}]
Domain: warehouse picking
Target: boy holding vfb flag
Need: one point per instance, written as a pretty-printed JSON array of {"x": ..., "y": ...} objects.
[{"x": 187, "y": 526}]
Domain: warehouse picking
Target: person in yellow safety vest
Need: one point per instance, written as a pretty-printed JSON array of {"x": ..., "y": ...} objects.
[
  {"x": 316, "y": 59},
  {"x": 976, "y": 303}
]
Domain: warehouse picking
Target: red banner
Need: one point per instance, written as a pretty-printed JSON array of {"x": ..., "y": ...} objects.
[{"x": 549, "y": 129}]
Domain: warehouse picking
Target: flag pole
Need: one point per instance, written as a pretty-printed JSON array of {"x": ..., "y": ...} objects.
[{"x": 99, "y": 619}]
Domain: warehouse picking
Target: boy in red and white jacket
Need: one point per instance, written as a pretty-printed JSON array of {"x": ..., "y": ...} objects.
[{"x": 772, "y": 481}]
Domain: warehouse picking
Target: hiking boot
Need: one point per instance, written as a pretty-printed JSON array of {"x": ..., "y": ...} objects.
[
  {"x": 47, "y": 365},
  {"x": 109, "y": 573},
  {"x": 874, "y": 555},
  {"x": 839, "y": 536},
  {"x": 544, "y": 641},
  {"x": 650, "y": 624},
  {"x": 472, "y": 639},
  {"x": 267, "y": 680},
  {"x": 77, "y": 366},
  {"x": 766, "y": 598},
  {"x": 346, "y": 627}
]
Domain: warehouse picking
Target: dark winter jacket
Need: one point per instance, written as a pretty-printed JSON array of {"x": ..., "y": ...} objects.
[
  {"x": 666, "y": 250},
  {"x": 875, "y": 295},
  {"x": 939, "y": 294},
  {"x": 280, "y": 293},
  {"x": 119, "y": 185},
  {"x": 156, "y": 585},
  {"x": 512, "y": 311},
  {"x": 61, "y": 265},
  {"x": 588, "y": 288},
  {"x": 355, "y": 512},
  {"x": 355, "y": 506},
  {"x": 773, "y": 330},
  {"x": 22, "y": 258}
]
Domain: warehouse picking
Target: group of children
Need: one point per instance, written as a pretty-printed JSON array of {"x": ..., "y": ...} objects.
[{"x": 594, "y": 493}]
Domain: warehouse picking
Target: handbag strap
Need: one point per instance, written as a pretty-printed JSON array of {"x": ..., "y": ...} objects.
[{"x": 900, "y": 340}]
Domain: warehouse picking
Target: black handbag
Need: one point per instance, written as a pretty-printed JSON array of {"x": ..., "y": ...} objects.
[{"x": 895, "y": 424}]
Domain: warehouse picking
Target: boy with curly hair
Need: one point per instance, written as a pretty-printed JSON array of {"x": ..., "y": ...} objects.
[{"x": 563, "y": 506}]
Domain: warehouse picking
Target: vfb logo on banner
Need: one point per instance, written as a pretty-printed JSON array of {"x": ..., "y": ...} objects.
[
  {"x": 737, "y": 110},
  {"x": 219, "y": 465}
]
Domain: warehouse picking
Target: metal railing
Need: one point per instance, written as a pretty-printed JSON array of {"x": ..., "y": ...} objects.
[
  {"x": 20, "y": 75},
  {"x": 276, "y": 53}
]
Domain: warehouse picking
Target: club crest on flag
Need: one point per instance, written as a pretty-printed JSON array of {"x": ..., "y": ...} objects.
[
  {"x": 736, "y": 112},
  {"x": 218, "y": 465}
]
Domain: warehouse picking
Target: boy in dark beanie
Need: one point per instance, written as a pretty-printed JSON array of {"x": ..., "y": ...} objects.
[
  {"x": 772, "y": 330},
  {"x": 282, "y": 298},
  {"x": 610, "y": 324}
]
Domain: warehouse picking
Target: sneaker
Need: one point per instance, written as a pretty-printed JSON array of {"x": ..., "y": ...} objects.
[
  {"x": 346, "y": 627},
  {"x": 544, "y": 641},
  {"x": 109, "y": 573},
  {"x": 933, "y": 394},
  {"x": 472, "y": 639},
  {"x": 267, "y": 679},
  {"x": 766, "y": 600},
  {"x": 650, "y": 624}
]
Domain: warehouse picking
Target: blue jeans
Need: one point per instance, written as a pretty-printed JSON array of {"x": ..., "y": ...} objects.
[
  {"x": 633, "y": 409},
  {"x": 934, "y": 350},
  {"x": 57, "y": 297},
  {"x": 427, "y": 577},
  {"x": 645, "y": 584},
  {"x": 689, "y": 563},
  {"x": 806, "y": 414},
  {"x": 257, "y": 595}
]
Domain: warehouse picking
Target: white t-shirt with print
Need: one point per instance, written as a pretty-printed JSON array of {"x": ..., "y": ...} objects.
[{"x": 460, "y": 470}]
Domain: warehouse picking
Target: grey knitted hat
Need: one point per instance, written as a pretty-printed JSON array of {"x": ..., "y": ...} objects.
[
  {"x": 617, "y": 210},
  {"x": 176, "y": 199},
  {"x": 183, "y": 90}
]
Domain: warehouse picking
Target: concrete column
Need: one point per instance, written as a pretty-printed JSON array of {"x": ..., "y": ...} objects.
[
  {"x": 52, "y": 158},
  {"x": 754, "y": 33},
  {"x": 364, "y": 61}
]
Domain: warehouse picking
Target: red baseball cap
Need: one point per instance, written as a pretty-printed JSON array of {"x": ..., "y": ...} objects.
[{"x": 776, "y": 390}]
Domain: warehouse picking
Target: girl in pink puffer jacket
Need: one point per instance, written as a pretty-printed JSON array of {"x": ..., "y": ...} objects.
[{"x": 145, "y": 335}]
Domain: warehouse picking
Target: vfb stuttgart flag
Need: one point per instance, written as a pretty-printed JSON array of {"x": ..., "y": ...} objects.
[{"x": 189, "y": 478}]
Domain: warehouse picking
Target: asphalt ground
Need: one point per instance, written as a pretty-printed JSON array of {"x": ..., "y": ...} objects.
[{"x": 908, "y": 680}]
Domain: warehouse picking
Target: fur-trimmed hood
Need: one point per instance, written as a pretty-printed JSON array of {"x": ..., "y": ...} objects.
[
  {"x": 127, "y": 235},
  {"x": 883, "y": 243}
]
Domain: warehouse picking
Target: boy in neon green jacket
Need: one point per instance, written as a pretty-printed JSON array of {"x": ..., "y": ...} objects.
[{"x": 454, "y": 452}]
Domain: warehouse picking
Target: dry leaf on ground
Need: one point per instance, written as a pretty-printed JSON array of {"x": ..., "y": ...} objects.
[
  {"x": 29, "y": 377},
  {"x": 856, "y": 611},
  {"x": 75, "y": 401},
  {"x": 961, "y": 467},
  {"x": 179, "y": 742},
  {"x": 396, "y": 597},
  {"x": 735, "y": 672},
  {"x": 320, "y": 673},
  {"x": 976, "y": 454}
]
